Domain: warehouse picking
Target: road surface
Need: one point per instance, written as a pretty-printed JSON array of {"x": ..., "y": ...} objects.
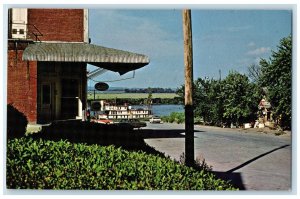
[{"x": 252, "y": 160}]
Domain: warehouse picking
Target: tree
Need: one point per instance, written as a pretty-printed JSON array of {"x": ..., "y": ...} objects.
[
  {"x": 276, "y": 76},
  {"x": 254, "y": 72},
  {"x": 149, "y": 98},
  {"x": 240, "y": 99},
  {"x": 222, "y": 102},
  {"x": 208, "y": 101}
]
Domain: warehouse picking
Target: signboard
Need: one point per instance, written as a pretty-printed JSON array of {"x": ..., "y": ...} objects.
[{"x": 101, "y": 86}]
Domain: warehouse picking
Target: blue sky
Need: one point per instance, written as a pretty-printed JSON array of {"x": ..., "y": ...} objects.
[{"x": 223, "y": 40}]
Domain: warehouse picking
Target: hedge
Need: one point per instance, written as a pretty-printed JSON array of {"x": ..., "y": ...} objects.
[{"x": 44, "y": 164}]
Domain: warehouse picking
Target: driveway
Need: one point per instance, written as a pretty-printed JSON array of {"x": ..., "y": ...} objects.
[{"x": 252, "y": 160}]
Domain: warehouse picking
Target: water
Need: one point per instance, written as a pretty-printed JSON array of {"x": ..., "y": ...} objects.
[{"x": 164, "y": 110}]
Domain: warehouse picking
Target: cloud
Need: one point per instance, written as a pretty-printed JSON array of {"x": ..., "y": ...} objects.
[
  {"x": 251, "y": 44},
  {"x": 142, "y": 35},
  {"x": 259, "y": 51},
  {"x": 145, "y": 35}
]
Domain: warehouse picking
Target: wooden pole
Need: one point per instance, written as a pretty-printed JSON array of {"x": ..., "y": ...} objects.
[{"x": 188, "y": 68}]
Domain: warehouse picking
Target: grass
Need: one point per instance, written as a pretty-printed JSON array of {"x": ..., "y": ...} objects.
[{"x": 131, "y": 95}]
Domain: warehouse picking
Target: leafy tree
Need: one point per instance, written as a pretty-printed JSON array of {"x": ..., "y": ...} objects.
[
  {"x": 240, "y": 99},
  {"x": 276, "y": 76},
  {"x": 222, "y": 102},
  {"x": 208, "y": 101},
  {"x": 201, "y": 99},
  {"x": 216, "y": 105}
]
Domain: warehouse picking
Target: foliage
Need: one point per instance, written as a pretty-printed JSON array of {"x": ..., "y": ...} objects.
[
  {"x": 41, "y": 164},
  {"x": 277, "y": 77},
  {"x": 240, "y": 99},
  {"x": 208, "y": 107},
  {"x": 221, "y": 102},
  {"x": 208, "y": 101},
  {"x": 148, "y": 101},
  {"x": 254, "y": 72},
  {"x": 174, "y": 117},
  {"x": 199, "y": 164},
  {"x": 16, "y": 122}
]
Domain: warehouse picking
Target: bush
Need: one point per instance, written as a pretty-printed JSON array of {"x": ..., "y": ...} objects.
[
  {"x": 174, "y": 117},
  {"x": 16, "y": 122},
  {"x": 40, "y": 164}
]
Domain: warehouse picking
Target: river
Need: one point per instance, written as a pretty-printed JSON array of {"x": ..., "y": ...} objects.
[{"x": 164, "y": 109}]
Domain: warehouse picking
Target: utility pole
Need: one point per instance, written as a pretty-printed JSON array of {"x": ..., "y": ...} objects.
[{"x": 188, "y": 68}]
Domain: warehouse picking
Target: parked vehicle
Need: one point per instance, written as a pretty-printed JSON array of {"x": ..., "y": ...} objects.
[
  {"x": 102, "y": 121},
  {"x": 155, "y": 119},
  {"x": 135, "y": 123}
]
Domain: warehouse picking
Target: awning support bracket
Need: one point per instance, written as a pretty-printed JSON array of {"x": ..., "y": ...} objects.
[{"x": 117, "y": 80}]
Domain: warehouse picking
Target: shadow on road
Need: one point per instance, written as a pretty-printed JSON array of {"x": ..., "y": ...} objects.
[
  {"x": 253, "y": 159},
  {"x": 235, "y": 177},
  {"x": 94, "y": 133},
  {"x": 163, "y": 133}
]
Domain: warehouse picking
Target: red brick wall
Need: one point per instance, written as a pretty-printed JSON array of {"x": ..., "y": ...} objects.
[
  {"x": 58, "y": 24},
  {"x": 22, "y": 85}
]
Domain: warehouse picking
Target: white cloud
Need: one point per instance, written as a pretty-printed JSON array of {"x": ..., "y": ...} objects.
[
  {"x": 141, "y": 35},
  {"x": 259, "y": 51},
  {"x": 115, "y": 29},
  {"x": 251, "y": 44}
]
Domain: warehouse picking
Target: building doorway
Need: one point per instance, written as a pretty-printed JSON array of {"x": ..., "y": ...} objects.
[{"x": 47, "y": 102}]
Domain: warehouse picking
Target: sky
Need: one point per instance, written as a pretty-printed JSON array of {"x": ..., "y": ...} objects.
[{"x": 223, "y": 41}]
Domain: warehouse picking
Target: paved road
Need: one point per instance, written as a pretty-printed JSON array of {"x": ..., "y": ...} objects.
[{"x": 254, "y": 161}]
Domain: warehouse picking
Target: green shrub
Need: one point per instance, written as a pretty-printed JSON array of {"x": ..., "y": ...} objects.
[
  {"x": 41, "y": 164},
  {"x": 174, "y": 117},
  {"x": 165, "y": 119}
]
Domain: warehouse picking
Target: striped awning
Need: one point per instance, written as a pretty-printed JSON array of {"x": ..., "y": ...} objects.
[{"x": 107, "y": 58}]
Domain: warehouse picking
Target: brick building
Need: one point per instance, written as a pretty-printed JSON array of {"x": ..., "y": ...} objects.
[{"x": 48, "y": 52}]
